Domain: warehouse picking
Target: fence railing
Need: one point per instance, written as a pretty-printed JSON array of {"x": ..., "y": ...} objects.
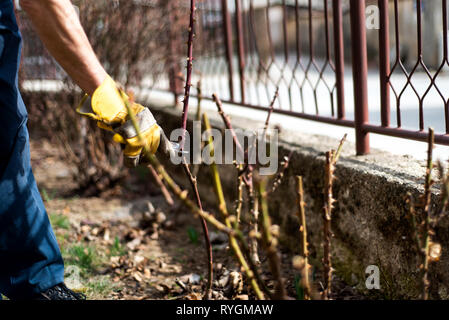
[
  {"x": 387, "y": 71},
  {"x": 327, "y": 64},
  {"x": 248, "y": 48}
]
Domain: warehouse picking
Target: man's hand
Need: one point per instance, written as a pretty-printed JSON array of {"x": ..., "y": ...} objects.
[{"x": 107, "y": 107}]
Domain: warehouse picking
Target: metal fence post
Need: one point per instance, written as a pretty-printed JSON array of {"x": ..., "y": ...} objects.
[
  {"x": 384, "y": 63},
  {"x": 360, "y": 74},
  {"x": 174, "y": 70},
  {"x": 241, "y": 47},
  {"x": 339, "y": 57},
  {"x": 227, "y": 32}
]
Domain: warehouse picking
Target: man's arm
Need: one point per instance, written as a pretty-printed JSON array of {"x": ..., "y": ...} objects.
[{"x": 58, "y": 26}]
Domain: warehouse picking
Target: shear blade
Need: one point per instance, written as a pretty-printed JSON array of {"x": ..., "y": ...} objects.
[{"x": 177, "y": 148}]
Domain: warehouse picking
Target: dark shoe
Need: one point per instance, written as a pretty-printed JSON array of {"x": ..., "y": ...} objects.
[{"x": 60, "y": 292}]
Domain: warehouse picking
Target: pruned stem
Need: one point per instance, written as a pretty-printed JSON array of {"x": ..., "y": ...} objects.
[
  {"x": 196, "y": 167},
  {"x": 185, "y": 112},
  {"x": 327, "y": 233},
  {"x": 303, "y": 230},
  {"x": 270, "y": 111},
  {"x": 165, "y": 192},
  {"x": 428, "y": 215},
  {"x": 270, "y": 243},
  {"x": 280, "y": 175},
  {"x": 238, "y": 210},
  {"x": 246, "y": 175},
  {"x": 227, "y": 123},
  {"x": 331, "y": 160},
  {"x": 189, "y": 68},
  {"x": 255, "y": 227},
  {"x": 200, "y": 99},
  {"x": 194, "y": 185},
  {"x": 251, "y": 272}
]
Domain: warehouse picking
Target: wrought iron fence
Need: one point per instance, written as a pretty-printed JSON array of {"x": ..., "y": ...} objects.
[
  {"x": 309, "y": 49},
  {"x": 248, "y": 48}
]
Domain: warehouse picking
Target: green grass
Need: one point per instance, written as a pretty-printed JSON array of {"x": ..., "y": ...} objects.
[
  {"x": 46, "y": 196},
  {"x": 99, "y": 287},
  {"x": 82, "y": 256},
  {"x": 59, "y": 221},
  {"x": 193, "y": 235},
  {"x": 87, "y": 258},
  {"x": 298, "y": 288},
  {"x": 117, "y": 249}
]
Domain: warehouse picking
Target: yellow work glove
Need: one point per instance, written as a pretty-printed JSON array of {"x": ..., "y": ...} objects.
[{"x": 107, "y": 107}]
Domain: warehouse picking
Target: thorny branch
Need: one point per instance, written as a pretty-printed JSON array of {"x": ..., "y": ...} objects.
[
  {"x": 270, "y": 111},
  {"x": 331, "y": 160},
  {"x": 428, "y": 215},
  {"x": 189, "y": 68},
  {"x": 250, "y": 270},
  {"x": 423, "y": 229},
  {"x": 191, "y": 177},
  {"x": 270, "y": 241},
  {"x": 165, "y": 192},
  {"x": 303, "y": 230}
]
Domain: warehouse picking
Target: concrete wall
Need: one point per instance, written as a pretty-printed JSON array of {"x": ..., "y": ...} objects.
[{"x": 369, "y": 221}]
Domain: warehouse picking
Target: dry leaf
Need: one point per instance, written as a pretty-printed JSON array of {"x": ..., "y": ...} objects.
[
  {"x": 132, "y": 245},
  {"x": 434, "y": 251},
  {"x": 194, "y": 296},
  {"x": 138, "y": 259},
  {"x": 106, "y": 236},
  {"x": 137, "y": 276}
]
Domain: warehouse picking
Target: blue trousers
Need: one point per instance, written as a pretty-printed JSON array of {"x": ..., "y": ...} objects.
[{"x": 30, "y": 259}]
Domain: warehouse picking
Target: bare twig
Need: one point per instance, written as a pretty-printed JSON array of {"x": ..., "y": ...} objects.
[
  {"x": 270, "y": 111},
  {"x": 186, "y": 167},
  {"x": 327, "y": 233},
  {"x": 427, "y": 219},
  {"x": 280, "y": 175},
  {"x": 246, "y": 174},
  {"x": 423, "y": 229},
  {"x": 303, "y": 229},
  {"x": 270, "y": 243},
  {"x": 196, "y": 167},
  {"x": 194, "y": 185},
  {"x": 200, "y": 99},
  {"x": 214, "y": 170},
  {"x": 254, "y": 247},
  {"x": 250, "y": 271},
  {"x": 189, "y": 68},
  {"x": 238, "y": 210},
  {"x": 227, "y": 123},
  {"x": 161, "y": 185},
  {"x": 331, "y": 160}
]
